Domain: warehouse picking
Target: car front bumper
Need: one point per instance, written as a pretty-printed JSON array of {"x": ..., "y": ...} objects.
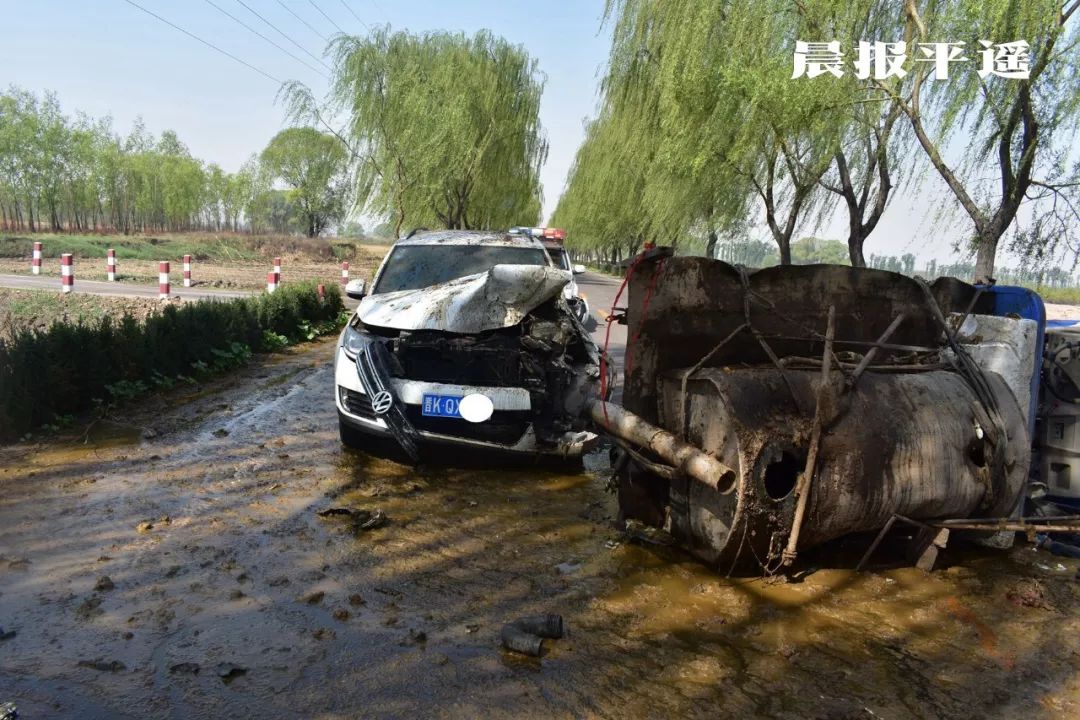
[{"x": 509, "y": 430}]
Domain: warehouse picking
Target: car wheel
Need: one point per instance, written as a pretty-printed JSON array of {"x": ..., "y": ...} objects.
[{"x": 350, "y": 436}]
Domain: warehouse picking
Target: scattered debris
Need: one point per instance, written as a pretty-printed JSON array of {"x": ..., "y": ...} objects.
[
  {"x": 324, "y": 634},
  {"x": 341, "y": 614},
  {"x": 1029, "y": 593},
  {"x": 335, "y": 512},
  {"x": 220, "y": 433},
  {"x": 89, "y": 608},
  {"x": 144, "y": 527},
  {"x": 8, "y": 711},
  {"x": 567, "y": 568},
  {"x": 361, "y": 519},
  {"x": 229, "y": 672},
  {"x": 185, "y": 668},
  {"x": 416, "y": 637},
  {"x": 356, "y": 600},
  {"x": 377, "y": 520},
  {"x": 103, "y": 665},
  {"x": 1043, "y": 542},
  {"x": 149, "y": 433},
  {"x": 6, "y": 635},
  {"x": 526, "y": 635},
  {"x": 640, "y": 532},
  {"x": 314, "y": 598},
  {"x": 104, "y": 584}
]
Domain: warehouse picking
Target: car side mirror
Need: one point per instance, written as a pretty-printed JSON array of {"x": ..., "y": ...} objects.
[
  {"x": 578, "y": 269},
  {"x": 356, "y": 289}
]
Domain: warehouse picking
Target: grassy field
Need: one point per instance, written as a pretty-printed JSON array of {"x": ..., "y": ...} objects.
[
  {"x": 38, "y": 309},
  {"x": 222, "y": 260}
]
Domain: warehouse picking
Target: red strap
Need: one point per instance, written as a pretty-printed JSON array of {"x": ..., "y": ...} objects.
[{"x": 611, "y": 317}]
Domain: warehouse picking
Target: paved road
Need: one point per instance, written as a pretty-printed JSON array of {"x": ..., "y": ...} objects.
[
  {"x": 600, "y": 291},
  {"x": 97, "y": 287}
]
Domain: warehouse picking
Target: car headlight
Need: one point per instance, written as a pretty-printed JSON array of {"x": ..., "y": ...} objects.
[{"x": 352, "y": 342}]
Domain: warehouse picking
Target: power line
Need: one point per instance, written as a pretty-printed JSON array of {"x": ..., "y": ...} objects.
[
  {"x": 301, "y": 47},
  {"x": 205, "y": 42},
  {"x": 241, "y": 22},
  {"x": 325, "y": 39},
  {"x": 326, "y": 16},
  {"x": 355, "y": 15},
  {"x": 226, "y": 53},
  {"x": 379, "y": 8}
]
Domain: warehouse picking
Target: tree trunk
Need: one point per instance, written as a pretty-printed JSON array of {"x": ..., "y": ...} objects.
[
  {"x": 710, "y": 247},
  {"x": 986, "y": 251},
  {"x": 856, "y": 239},
  {"x": 784, "y": 244}
]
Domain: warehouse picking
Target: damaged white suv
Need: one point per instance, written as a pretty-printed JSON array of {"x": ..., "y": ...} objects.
[{"x": 466, "y": 339}]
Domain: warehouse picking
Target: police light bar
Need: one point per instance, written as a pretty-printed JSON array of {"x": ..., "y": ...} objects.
[{"x": 539, "y": 232}]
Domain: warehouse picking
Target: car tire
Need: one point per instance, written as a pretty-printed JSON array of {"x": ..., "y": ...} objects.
[{"x": 350, "y": 436}]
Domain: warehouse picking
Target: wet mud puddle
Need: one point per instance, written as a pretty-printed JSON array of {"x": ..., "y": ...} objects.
[{"x": 187, "y": 572}]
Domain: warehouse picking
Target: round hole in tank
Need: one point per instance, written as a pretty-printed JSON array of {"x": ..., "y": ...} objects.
[
  {"x": 977, "y": 453},
  {"x": 782, "y": 474}
]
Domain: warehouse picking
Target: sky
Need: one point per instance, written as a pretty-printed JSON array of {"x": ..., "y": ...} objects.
[{"x": 107, "y": 57}]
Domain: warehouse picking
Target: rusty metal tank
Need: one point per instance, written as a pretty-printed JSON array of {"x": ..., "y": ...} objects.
[
  {"x": 911, "y": 426},
  {"x": 914, "y": 444}
]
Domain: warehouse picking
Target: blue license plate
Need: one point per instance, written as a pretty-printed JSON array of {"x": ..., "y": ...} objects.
[{"x": 441, "y": 406}]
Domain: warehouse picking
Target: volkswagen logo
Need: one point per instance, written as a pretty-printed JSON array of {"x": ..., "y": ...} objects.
[{"x": 381, "y": 402}]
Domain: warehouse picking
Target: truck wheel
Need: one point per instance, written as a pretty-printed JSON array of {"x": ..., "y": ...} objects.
[{"x": 350, "y": 436}]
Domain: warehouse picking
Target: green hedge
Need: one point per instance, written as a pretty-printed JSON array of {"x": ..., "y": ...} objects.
[{"x": 70, "y": 369}]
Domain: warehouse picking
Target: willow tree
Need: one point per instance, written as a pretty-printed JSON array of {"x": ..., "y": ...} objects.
[
  {"x": 313, "y": 166},
  {"x": 445, "y": 127},
  {"x": 736, "y": 137},
  {"x": 1016, "y": 131},
  {"x": 601, "y": 208}
]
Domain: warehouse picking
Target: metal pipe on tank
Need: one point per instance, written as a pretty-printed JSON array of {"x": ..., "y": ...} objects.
[{"x": 681, "y": 455}]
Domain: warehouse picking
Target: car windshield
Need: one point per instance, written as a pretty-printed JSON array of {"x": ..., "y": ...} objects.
[
  {"x": 411, "y": 267},
  {"x": 559, "y": 257}
]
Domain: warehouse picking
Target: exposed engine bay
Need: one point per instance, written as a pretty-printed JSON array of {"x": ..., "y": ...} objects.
[{"x": 508, "y": 328}]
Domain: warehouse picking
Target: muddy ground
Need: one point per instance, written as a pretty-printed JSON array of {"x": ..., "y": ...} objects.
[{"x": 175, "y": 566}]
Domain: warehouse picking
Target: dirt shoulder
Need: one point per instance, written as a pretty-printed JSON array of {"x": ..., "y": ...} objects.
[
  {"x": 39, "y": 309},
  {"x": 1062, "y": 312},
  {"x": 175, "y": 565}
]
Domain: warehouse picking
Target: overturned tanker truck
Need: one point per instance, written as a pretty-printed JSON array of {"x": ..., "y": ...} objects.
[{"x": 767, "y": 411}]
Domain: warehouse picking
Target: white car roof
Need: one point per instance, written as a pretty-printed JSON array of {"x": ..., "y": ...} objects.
[{"x": 470, "y": 237}]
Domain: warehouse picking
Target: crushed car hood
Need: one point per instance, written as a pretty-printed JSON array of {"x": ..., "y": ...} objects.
[{"x": 498, "y": 298}]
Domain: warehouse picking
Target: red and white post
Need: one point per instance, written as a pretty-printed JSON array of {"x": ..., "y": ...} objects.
[
  {"x": 35, "y": 259},
  {"x": 163, "y": 279},
  {"x": 187, "y": 271},
  {"x": 271, "y": 281},
  {"x": 67, "y": 273},
  {"x": 277, "y": 270},
  {"x": 110, "y": 265},
  {"x": 344, "y": 273},
  {"x": 320, "y": 290}
]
